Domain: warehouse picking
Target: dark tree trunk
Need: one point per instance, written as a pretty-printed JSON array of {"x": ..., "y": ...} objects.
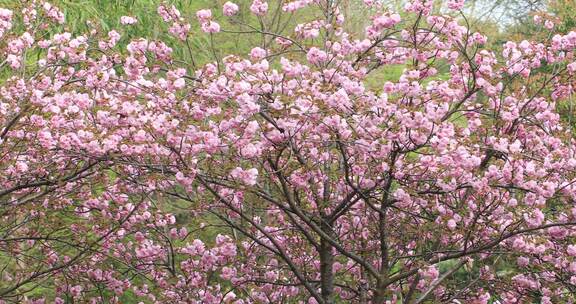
[{"x": 326, "y": 263}]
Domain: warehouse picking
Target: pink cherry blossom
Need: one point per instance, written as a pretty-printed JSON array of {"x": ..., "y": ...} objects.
[
  {"x": 204, "y": 15},
  {"x": 247, "y": 177},
  {"x": 230, "y": 9},
  {"x": 259, "y": 7},
  {"x": 211, "y": 27},
  {"x": 455, "y": 4},
  {"x": 128, "y": 20},
  {"x": 257, "y": 53},
  {"x": 316, "y": 56}
]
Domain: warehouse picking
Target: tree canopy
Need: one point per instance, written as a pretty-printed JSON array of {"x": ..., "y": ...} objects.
[{"x": 408, "y": 160}]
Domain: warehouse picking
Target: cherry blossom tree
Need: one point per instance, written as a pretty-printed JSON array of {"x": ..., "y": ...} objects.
[{"x": 284, "y": 175}]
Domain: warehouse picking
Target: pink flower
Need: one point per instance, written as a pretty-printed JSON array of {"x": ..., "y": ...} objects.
[
  {"x": 15, "y": 61},
  {"x": 140, "y": 136},
  {"x": 455, "y": 4},
  {"x": 76, "y": 290},
  {"x": 183, "y": 179},
  {"x": 571, "y": 250},
  {"x": 316, "y": 56},
  {"x": 523, "y": 261},
  {"x": 210, "y": 27},
  {"x": 259, "y": 8},
  {"x": 430, "y": 272},
  {"x": 535, "y": 219},
  {"x": 228, "y": 273},
  {"x": 179, "y": 83},
  {"x": 204, "y": 15},
  {"x": 247, "y": 177},
  {"x": 572, "y": 67},
  {"x": 197, "y": 248},
  {"x": 183, "y": 232},
  {"x": 257, "y": 53},
  {"x": 21, "y": 166},
  {"x": 5, "y": 19},
  {"x": 230, "y": 9},
  {"x": 451, "y": 224},
  {"x": 229, "y": 297},
  {"x": 386, "y": 21},
  {"x": 180, "y": 30},
  {"x": 283, "y": 42},
  {"x": 251, "y": 150},
  {"x": 537, "y": 19},
  {"x": 127, "y": 20}
]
